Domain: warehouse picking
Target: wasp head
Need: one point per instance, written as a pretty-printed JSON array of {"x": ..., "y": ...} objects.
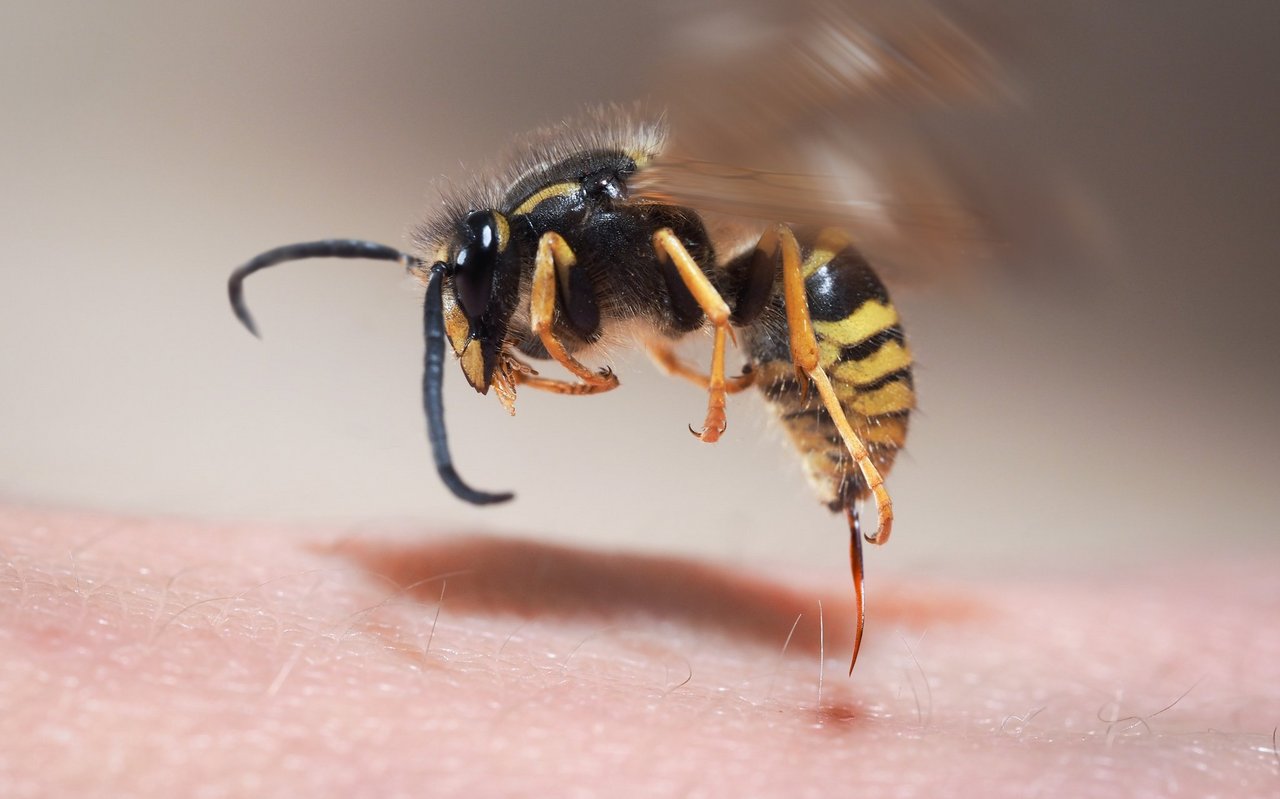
[{"x": 484, "y": 278}]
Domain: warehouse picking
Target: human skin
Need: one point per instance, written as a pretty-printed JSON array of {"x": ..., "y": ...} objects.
[{"x": 157, "y": 657}]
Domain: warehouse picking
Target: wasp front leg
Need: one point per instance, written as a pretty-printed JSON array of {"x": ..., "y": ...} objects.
[
  {"x": 512, "y": 372},
  {"x": 556, "y": 265},
  {"x": 670, "y": 249},
  {"x": 528, "y": 376}
]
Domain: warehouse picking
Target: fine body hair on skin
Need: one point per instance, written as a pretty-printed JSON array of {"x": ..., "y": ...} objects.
[{"x": 153, "y": 657}]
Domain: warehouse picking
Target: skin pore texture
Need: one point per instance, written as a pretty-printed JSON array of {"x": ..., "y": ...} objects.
[{"x": 157, "y": 657}]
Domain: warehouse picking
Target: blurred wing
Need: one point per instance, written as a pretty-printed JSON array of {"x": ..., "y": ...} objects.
[
  {"x": 893, "y": 120},
  {"x": 937, "y": 231},
  {"x": 766, "y": 75}
]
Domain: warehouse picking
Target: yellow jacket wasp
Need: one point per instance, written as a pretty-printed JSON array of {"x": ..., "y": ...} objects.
[{"x": 599, "y": 226}]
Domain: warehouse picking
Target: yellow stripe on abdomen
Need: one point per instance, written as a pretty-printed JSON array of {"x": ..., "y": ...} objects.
[
  {"x": 871, "y": 317},
  {"x": 895, "y": 397},
  {"x": 892, "y": 357},
  {"x": 862, "y": 349}
]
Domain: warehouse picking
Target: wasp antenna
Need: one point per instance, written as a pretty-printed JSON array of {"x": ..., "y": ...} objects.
[
  {"x": 433, "y": 397},
  {"x": 329, "y": 248}
]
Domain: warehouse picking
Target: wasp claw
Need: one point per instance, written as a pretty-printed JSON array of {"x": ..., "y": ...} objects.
[{"x": 710, "y": 435}]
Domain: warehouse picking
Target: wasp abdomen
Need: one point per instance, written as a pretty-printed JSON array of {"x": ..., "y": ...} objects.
[{"x": 861, "y": 348}]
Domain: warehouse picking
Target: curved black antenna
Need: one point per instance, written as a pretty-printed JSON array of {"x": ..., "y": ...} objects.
[
  {"x": 433, "y": 324},
  {"x": 433, "y": 398},
  {"x": 329, "y": 248}
]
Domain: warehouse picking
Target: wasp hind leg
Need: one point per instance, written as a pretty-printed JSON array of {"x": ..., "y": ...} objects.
[
  {"x": 670, "y": 248},
  {"x": 555, "y": 266},
  {"x": 804, "y": 355}
]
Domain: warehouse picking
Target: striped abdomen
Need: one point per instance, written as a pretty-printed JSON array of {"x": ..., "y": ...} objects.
[{"x": 861, "y": 348}]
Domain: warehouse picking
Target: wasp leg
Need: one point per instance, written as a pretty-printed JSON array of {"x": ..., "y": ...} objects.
[
  {"x": 521, "y": 373},
  {"x": 562, "y": 386},
  {"x": 671, "y": 364},
  {"x": 668, "y": 246},
  {"x": 804, "y": 354},
  {"x": 554, "y": 255}
]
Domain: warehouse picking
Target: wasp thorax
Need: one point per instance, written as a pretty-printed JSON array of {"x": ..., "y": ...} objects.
[{"x": 475, "y": 262}]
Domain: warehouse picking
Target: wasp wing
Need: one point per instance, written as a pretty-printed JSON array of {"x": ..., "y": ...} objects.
[
  {"x": 897, "y": 121},
  {"x": 938, "y": 231}
]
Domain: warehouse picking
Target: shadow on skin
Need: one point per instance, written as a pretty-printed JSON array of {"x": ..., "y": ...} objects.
[{"x": 535, "y": 580}]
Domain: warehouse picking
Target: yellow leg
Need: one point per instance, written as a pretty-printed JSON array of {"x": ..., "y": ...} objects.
[
  {"x": 716, "y": 423},
  {"x": 561, "y": 386},
  {"x": 804, "y": 354},
  {"x": 554, "y": 254},
  {"x": 671, "y": 364},
  {"x": 668, "y": 245}
]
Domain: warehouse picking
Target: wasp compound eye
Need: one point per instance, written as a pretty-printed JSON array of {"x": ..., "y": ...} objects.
[{"x": 475, "y": 263}]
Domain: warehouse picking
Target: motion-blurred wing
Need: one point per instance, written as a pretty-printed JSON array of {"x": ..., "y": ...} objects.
[{"x": 895, "y": 120}]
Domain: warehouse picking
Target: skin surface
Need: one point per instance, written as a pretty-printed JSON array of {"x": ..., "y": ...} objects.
[{"x": 155, "y": 657}]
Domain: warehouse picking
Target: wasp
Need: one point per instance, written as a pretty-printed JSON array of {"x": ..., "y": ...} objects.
[
  {"x": 597, "y": 228},
  {"x": 563, "y": 254}
]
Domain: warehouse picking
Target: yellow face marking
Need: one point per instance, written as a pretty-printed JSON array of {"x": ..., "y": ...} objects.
[
  {"x": 860, "y": 325},
  {"x": 458, "y": 330},
  {"x": 831, "y": 242},
  {"x": 504, "y": 231},
  {"x": 890, "y": 358},
  {"x": 893, "y": 398},
  {"x": 456, "y": 326},
  {"x": 472, "y": 360},
  {"x": 554, "y": 190}
]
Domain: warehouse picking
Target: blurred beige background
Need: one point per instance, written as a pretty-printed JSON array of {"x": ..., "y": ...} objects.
[{"x": 1104, "y": 415}]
